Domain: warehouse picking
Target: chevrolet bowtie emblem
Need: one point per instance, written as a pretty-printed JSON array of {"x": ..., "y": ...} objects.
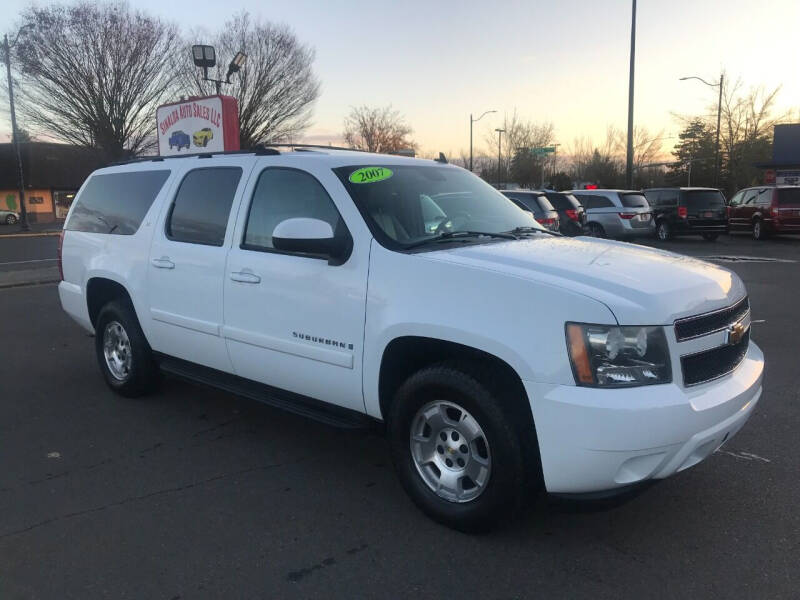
[{"x": 735, "y": 333}]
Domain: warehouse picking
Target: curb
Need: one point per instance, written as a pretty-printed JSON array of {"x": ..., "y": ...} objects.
[
  {"x": 32, "y": 234},
  {"x": 8, "y": 286}
]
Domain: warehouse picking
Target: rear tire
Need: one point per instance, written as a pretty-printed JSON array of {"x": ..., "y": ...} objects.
[
  {"x": 710, "y": 237},
  {"x": 467, "y": 486},
  {"x": 663, "y": 231},
  {"x": 124, "y": 356},
  {"x": 596, "y": 230}
]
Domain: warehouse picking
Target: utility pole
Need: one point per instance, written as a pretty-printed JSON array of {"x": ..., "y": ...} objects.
[
  {"x": 629, "y": 157},
  {"x": 23, "y": 213},
  {"x": 719, "y": 114},
  {"x": 499, "y": 146}
]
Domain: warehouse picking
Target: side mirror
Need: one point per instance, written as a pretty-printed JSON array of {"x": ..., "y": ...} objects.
[{"x": 310, "y": 236}]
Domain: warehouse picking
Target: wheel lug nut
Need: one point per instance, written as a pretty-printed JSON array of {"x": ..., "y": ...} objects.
[{"x": 463, "y": 448}]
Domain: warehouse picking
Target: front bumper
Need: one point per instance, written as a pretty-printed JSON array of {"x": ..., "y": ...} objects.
[{"x": 593, "y": 440}]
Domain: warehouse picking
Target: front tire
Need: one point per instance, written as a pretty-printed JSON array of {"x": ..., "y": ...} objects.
[
  {"x": 456, "y": 451},
  {"x": 11, "y": 220},
  {"x": 758, "y": 230},
  {"x": 663, "y": 231},
  {"x": 710, "y": 237},
  {"x": 124, "y": 356}
]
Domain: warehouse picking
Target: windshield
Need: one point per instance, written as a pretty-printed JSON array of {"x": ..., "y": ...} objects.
[
  {"x": 634, "y": 201},
  {"x": 704, "y": 199},
  {"x": 407, "y": 204}
]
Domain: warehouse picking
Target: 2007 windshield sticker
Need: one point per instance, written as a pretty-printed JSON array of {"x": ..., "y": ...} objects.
[{"x": 370, "y": 175}]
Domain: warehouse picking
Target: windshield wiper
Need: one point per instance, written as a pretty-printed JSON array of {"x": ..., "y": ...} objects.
[
  {"x": 456, "y": 235},
  {"x": 520, "y": 230}
]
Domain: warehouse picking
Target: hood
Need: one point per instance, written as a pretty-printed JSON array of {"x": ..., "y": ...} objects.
[{"x": 640, "y": 285}]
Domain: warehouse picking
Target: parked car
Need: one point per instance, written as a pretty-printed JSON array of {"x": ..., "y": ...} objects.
[
  {"x": 8, "y": 217},
  {"x": 499, "y": 356},
  {"x": 202, "y": 137},
  {"x": 688, "y": 211},
  {"x": 179, "y": 139},
  {"x": 537, "y": 204},
  {"x": 620, "y": 214},
  {"x": 765, "y": 210},
  {"x": 571, "y": 213}
]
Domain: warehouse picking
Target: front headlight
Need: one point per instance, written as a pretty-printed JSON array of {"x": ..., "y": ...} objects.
[{"x": 608, "y": 356}]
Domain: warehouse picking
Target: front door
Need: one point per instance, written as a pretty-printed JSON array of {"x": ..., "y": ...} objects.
[
  {"x": 293, "y": 321},
  {"x": 187, "y": 264}
]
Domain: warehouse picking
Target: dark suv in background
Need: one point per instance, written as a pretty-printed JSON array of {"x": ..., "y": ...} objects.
[
  {"x": 570, "y": 212},
  {"x": 536, "y": 203},
  {"x": 688, "y": 211},
  {"x": 765, "y": 209}
]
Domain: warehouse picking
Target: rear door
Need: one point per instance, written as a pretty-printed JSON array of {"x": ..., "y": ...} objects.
[
  {"x": 187, "y": 263},
  {"x": 704, "y": 207},
  {"x": 788, "y": 205}
]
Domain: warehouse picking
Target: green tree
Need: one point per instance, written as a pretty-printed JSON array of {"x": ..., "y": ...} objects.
[
  {"x": 695, "y": 151},
  {"x": 561, "y": 181}
]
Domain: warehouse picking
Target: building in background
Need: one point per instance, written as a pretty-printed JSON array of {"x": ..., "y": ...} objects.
[
  {"x": 52, "y": 172},
  {"x": 784, "y": 168}
]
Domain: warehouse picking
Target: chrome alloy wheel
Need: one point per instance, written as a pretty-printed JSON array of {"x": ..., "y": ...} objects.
[
  {"x": 450, "y": 451},
  {"x": 117, "y": 351}
]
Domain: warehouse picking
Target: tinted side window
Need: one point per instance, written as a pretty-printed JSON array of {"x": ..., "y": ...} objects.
[
  {"x": 117, "y": 202},
  {"x": 282, "y": 194},
  {"x": 788, "y": 196},
  {"x": 668, "y": 198},
  {"x": 528, "y": 201},
  {"x": 634, "y": 201},
  {"x": 200, "y": 212},
  {"x": 595, "y": 201},
  {"x": 563, "y": 201}
]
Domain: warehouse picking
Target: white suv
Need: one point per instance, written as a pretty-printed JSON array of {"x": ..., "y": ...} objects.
[{"x": 355, "y": 287}]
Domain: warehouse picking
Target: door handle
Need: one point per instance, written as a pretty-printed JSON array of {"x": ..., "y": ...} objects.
[
  {"x": 245, "y": 277},
  {"x": 163, "y": 263}
]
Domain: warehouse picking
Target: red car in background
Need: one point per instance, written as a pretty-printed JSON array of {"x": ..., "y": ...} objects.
[{"x": 765, "y": 210}]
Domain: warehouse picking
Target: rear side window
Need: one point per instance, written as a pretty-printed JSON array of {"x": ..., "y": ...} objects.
[
  {"x": 563, "y": 201},
  {"x": 282, "y": 194},
  {"x": 788, "y": 196},
  {"x": 202, "y": 205},
  {"x": 668, "y": 198},
  {"x": 595, "y": 201},
  {"x": 533, "y": 202},
  {"x": 117, "y": 202},
  {"x": 634, "y": 201},
  {"x": 703, "y": 199}
]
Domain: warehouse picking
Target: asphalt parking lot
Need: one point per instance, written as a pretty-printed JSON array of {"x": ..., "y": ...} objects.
[{"x": 193, "y": 493}]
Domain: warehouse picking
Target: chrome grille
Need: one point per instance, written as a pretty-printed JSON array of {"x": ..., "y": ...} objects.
[{"x": 692, "y": 327}]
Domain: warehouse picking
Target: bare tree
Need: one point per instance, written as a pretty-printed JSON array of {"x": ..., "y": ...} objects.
[
  {"x": 377, "y": 129},
  {"x": 276, "y": 88},
  {"x": 92, "y": 74}
]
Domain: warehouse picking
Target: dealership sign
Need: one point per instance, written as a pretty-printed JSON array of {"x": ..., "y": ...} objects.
[{"x": 198, "y": 125}]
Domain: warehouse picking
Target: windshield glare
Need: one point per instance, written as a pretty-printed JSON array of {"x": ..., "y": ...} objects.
[{"x": 416, "y": 202}]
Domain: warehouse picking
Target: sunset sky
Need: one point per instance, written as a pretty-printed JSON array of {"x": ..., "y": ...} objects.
[{"x": 564, "y": 61}]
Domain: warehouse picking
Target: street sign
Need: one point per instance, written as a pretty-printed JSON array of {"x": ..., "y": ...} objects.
[{"x": 541, "y": 151}]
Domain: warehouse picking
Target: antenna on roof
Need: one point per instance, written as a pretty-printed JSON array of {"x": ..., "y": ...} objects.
[{"x": 442, "y": 158}]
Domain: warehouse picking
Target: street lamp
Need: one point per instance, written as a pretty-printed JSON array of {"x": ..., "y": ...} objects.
[
  {"x": 205, "y": 57},
  {"x": 720, "y": 84},
  {"x": 471, "y": 121},
  {"x": 500, "y": 133},
  {"x": 23, "y": 213},
  {"x": 629, "y": 153}
]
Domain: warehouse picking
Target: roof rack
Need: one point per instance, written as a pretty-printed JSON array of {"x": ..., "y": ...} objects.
[{"x": 258, "y": 150}]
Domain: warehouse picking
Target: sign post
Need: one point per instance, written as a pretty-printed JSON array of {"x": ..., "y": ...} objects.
[{"x": 198, "y": 125}]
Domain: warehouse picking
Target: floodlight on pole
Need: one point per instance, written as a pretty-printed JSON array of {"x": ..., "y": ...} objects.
[{"x": 205, "y": 57}]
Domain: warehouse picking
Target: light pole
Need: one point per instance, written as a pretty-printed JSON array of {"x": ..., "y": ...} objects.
[
  {"x": 471, "y": 121},
  {"x": 629, "y": 155},
  {"x": 500, "y": 133},
  {"x": 23, "y": 213},
  {"x": 720, "y": 84}
]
